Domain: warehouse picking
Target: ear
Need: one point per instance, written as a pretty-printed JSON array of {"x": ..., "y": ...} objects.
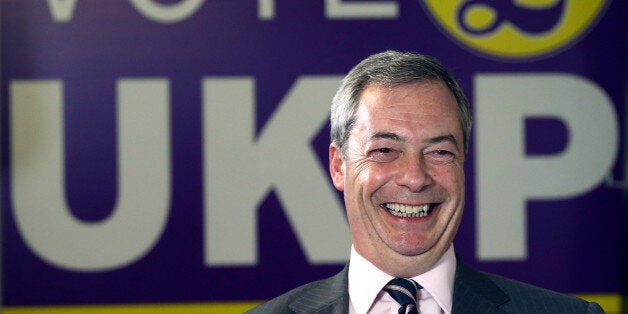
[{"x": 336, "y": 167}]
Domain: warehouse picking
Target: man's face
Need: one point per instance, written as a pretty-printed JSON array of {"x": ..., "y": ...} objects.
[{"x": 405, "y": 153}]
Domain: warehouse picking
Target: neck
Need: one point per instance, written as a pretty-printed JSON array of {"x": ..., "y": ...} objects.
[{"x": 404, "y": 266}]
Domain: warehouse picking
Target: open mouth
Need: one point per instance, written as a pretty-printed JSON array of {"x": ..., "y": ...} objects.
[{"x": 410, "y": 211}]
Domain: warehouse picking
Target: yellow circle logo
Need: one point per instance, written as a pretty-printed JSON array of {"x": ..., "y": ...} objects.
[{"x": 516, "y": 29}]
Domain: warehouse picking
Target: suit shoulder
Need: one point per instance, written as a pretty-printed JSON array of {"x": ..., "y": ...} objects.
[
  {"x": 280, "y": 304},
  {"x": 525, "y": 296},
  {"x": 316, "y": 294}
]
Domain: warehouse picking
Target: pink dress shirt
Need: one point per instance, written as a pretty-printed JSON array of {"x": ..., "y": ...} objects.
[{"x": 366, "y": 282}]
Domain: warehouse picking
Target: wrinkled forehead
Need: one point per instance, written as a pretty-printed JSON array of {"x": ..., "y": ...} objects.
[
  {"x": 423, "y": 98},
  {"x": 409, "y": 108}
]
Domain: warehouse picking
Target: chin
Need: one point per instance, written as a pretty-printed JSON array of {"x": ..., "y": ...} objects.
[
  {"x": 413, "y": 250},
  {"x": 419, "y": 247}
]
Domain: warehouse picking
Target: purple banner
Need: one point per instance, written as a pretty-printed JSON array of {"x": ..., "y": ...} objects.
[{"x": 166, "y": 151}]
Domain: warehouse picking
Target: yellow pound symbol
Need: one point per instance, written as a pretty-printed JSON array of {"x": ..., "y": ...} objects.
[{"x": 516, "y": 29}]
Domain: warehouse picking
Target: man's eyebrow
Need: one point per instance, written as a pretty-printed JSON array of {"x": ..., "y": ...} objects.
[
  {"x": 397, "y": 138},
  {"x": 443, "y": 138},
  {"x": 386, "y": 135}
]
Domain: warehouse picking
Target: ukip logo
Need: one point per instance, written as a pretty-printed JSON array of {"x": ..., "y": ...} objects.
[{"x": 516, "y": 29}]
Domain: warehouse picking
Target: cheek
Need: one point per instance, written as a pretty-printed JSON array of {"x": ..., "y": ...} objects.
[
  {"x": 458, "y": 173},
  {"x": 374, "y": 176},
  {"x": 450, "y": 177}
]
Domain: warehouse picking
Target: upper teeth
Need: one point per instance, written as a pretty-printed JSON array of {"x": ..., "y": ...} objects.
[{"x": 408, "y": 210}]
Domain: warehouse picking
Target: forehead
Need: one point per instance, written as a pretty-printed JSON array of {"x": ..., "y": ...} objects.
[{"x": 427, "y": 104}]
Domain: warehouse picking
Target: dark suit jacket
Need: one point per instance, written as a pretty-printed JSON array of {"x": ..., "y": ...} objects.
[{"x": 474, "y": 292}]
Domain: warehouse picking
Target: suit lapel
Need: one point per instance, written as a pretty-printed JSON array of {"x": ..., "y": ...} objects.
[
  {"x": 326, "y": 296},
  {"x": 475, "y": 293}
]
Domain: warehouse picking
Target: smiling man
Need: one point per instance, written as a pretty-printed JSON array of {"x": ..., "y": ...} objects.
[{"x": 400, "y": 128}]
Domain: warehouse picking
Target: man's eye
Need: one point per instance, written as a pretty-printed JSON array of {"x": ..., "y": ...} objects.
[
  {"x": 440, "y": 156},
  {"x": 383, "y": 154}
]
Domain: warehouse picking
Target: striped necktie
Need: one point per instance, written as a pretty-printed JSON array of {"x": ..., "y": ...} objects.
[{"x": 404, "y": 292}]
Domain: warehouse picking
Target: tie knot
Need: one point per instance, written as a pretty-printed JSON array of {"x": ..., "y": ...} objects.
[{"x": 404, "y": 292}]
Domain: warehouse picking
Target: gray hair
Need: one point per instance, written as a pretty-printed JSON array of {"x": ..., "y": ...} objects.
[{"x": 391, "y": 68}]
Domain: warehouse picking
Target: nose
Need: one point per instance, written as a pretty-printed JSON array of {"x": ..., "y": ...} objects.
[{"x": 413, "y": 174}]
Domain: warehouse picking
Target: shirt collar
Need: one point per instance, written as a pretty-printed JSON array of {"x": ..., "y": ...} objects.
[
  {"x": 439, "y": 280},
  {"x": 366, "y": 281}
]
